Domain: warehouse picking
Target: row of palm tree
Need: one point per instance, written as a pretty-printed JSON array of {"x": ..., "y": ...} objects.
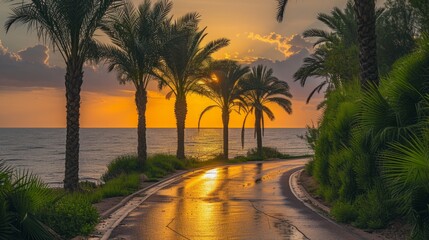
[
  {"x": 242, "y": 89},
  {"x": 146, "y": 44}
]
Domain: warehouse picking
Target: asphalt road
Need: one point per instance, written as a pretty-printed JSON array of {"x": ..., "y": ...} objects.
[{"x": 249, "y": 201}]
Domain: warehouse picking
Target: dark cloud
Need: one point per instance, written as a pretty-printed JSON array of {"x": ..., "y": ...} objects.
[
  {"x": 37, "y": 54},
  {"x": 285, "y": 69},
  {"x": 29, "y": 69},
  {"x": 299, "y": 42}
]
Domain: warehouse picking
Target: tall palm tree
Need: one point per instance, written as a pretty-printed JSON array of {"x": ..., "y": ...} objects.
[
  {"x": 182, "y": 67},
  {"x": 223, "y": 90},
  {"x": 365, "y": 17},
  {"x": 69, "y": 25},
  {"x": 260, "y": 89},
  {"x": 138, "y": 37}
]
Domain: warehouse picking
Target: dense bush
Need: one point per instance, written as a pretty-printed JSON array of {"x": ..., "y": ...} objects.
[
  {"x": 377, "y": 138},
  {"x": 70, "y": 216}
]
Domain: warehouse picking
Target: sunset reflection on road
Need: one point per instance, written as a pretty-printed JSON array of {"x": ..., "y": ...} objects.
[{"x": 232, "y": 202}]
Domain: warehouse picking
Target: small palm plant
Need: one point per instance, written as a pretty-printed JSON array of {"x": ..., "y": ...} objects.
[
  {"x": 22, "y": 196},
  {"x": 69, "y": 25},
  {"x": 260, "y": 89},
  {"x": 138, "y": 36},
  {"x": 406, "y": 172},
  {"x": 183, "y": 64},
  {"x": 223, "y": 89}
]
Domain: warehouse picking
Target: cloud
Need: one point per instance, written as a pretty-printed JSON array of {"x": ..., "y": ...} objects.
[
  {"x": 38, "y": 54},
  {"x": 288, "y": 46},
  {"x": 29, "y": 69}
]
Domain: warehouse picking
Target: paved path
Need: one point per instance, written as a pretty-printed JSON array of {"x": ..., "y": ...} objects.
[{"x": 249, "y": 201}]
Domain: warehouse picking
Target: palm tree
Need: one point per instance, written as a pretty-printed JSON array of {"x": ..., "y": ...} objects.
[
  {"x": 223, "y": 89},
  {"x": 260, "y": 89},
  {"x": 366, "y": 17},
  {"x": 137, "y": 35},
  {"x": 182, "y": 67},
  {"x": 69, "y": 25}
]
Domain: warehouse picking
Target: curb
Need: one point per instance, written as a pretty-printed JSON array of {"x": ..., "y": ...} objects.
[{"x": 302, "y": 195}]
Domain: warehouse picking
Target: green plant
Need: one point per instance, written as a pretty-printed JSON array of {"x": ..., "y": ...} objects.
[
  {"x": 71, "y": 215},
  {"x": 22, "y": 196},
  {"x": 267, "y": 152},
  {"x": 406, "y": 172},
  {"x": 344, "y": 212},
  {"x": 374, "y": 208},
  {"x": 122, "y": 165},
  {"x": 122, "y": 185}
]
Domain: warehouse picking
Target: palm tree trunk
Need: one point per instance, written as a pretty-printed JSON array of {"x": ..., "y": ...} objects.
[
  {"x": 141, "y": 101},
  {"x": 73, "y": 85},
  {"x": 180, "y": 109},
  {"x": 258, "y": 129},
  {"x": 365, "y": 16},
  {"x": 225, "y": 120}
]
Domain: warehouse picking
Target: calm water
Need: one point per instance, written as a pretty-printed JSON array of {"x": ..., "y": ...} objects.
[{"x": 42, "y": 150}]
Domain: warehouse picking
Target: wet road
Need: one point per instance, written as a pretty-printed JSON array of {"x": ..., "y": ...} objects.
[{"x": 250, "y": 201}]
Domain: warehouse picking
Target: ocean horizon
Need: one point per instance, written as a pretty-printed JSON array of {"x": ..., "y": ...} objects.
[{"x": 42, "y": 150}]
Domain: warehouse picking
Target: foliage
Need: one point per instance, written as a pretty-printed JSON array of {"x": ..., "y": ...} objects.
[
  {"x": 69, "y": 26},
  {"x": 70, "y": 216},
  {"x": 125, "y": 164},
  {"x": 406, "y": 172},
  {"x": 267, "y": 152},
  {"x": 184, "y": 64},
  {"x": 258, "y": 90},
  {"x": 344, "y": 212},
  {"x": 22, "y": 197},
  {"x": 371, "y": 153},
  {"x": 310, "y": 136}
]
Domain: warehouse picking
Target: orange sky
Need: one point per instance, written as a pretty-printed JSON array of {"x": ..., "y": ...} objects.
[{"x": 249, "y": 24}]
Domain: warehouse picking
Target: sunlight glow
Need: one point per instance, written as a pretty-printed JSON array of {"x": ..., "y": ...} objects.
[{"x": 211, "y": 174}]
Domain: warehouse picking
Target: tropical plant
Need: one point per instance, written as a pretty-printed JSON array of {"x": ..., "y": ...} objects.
[
  {"x": 365, "y": 18},
  {"x": 138, "y": 36},
  {"x": 223, "y": 89},
  {"x": 22, "y": 196},
  {"x": 406, "y": 172},
  {"x": 69, "y": 25},
  {"x": 258, "y": 90},
  {"x": 183, "y": 64}
]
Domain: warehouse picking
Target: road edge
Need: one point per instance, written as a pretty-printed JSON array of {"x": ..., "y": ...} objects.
[{"x": 316, "y": 206}]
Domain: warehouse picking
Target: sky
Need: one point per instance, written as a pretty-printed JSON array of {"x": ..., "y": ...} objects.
[{"x": 32, "y": 92}]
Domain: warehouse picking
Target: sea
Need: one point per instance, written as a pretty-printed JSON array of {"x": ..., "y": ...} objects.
[{"x": 42, "y": 151}]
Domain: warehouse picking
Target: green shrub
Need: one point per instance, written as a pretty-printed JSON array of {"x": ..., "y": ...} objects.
[
  {"x": 374, "y": 209},
  {"x": 344, "y": 212},
  {"x": 71, "y": 216},
  {"x": 120, "y": 186},
  {"x": 267, "y": 152},
  {"x": 122, "y": 165},
  {"x": 309, "y": 167}
]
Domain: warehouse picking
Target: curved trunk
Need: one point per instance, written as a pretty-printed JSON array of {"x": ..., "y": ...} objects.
[
  {"x": 258, "y": 129},
  {"x": 365, "y": 16},
  {"x": 225, "y": 121},
  {"x": 141, "y": 101},
  {"x": 180, "y": 109},
  {"x": 73, "y": 85}
]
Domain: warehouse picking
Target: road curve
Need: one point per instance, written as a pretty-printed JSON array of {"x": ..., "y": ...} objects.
[{"x": 248, "y": 201}]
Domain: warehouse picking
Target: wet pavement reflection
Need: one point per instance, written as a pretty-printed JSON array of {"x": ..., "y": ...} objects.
[{"x": 230, "y": 202}]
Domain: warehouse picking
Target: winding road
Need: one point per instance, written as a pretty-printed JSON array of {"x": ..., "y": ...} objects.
[{"x": 247, "y": 201}]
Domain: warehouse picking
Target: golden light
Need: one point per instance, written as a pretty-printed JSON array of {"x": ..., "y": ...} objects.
[{"x": 211, "y": 174}]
